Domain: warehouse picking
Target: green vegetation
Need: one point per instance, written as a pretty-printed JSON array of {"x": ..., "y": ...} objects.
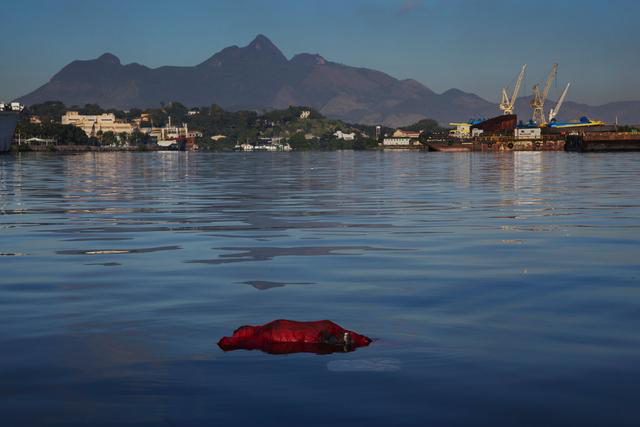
[
  {"x": 425, "y": 125},
  {"x": 68, "y": 133},
  {"x": 221, "y": 130}
]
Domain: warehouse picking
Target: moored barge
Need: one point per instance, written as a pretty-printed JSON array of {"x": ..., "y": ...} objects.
[{"x": 603, "y": 141}]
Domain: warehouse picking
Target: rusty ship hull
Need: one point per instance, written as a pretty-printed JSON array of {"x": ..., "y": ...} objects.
[{"x": 545, "y": 143}]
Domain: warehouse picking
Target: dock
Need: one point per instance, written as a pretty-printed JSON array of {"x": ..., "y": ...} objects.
[{"x": 589, "y": 142}]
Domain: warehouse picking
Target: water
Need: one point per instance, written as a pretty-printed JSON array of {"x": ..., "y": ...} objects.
[{"x": 502, "y": 289}]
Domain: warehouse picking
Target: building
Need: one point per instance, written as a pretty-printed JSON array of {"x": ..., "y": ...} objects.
[
  {"x": 396, "y": 142},
  {"x": 378, "y": 132},
  {"x": 345, "y": 136},
  {"x": 402, "y": 138},
  {"x": 399, "y": 133},
  {"x": 91, "y": 125},
  {"x": 172, "y": 133},
  {"x": 265, "y": 144}
]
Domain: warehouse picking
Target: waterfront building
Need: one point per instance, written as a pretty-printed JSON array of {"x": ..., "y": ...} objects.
[
  {"x": 171, "y": 133},
  {"x": 92, "y": 124},
  {"x": 397, "y": 142},
  {"x": 399, "y": 133},
  {"x": 402, "y": 138},
  {"x": 265, "y": 144}
]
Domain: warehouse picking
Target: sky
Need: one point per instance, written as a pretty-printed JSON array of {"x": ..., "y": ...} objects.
[{"x": 477, "y": 46}]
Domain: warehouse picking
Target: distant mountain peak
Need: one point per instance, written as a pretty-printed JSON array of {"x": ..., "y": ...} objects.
[
  {"x": 109, "y": 58},
  {"x": 265, "y": 47},
  {"x": 262, "y": 42},
  {"x": 454, "y": 91},
  {"x": 261, "y": 49}
]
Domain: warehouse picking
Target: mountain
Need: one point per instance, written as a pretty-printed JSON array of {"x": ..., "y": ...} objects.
[
  {"x": 626, "y": 112},
  {"x": 258, "y": 76}
]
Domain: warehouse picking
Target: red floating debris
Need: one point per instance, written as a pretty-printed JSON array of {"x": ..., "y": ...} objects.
[{"x": 288, "y": 336}]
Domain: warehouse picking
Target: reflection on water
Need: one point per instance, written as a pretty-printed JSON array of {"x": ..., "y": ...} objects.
[
  {"x": 268, "y": 253},
  {"x": 502, "y": 289},
  {"x": 263, "y": 285}
]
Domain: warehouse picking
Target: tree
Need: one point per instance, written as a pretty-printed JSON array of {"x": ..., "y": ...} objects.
[
  {"x": 177, "y": 111},
  {"x": 297, "y": 142},
  {"x": 123, "y": 138},
  {"x": 50, "y": 111},
  {"x": 108, "y": 138},
  {"x": 427, "y": 126},
  {"x": 362, "y": 143},
  {"x": 91, "y": 110},
  {"x": 139, "y": 139}
]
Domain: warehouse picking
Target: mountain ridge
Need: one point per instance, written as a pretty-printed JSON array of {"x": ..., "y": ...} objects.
[{"x": 259, "y": 76}]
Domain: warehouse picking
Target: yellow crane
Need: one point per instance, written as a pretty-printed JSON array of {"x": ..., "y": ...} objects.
[
  {"x": 506, "y": 105},
  {"x": 537, "y": 102}
]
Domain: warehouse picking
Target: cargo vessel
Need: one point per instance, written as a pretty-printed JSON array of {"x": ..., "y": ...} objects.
[{"x": 9, "y": 114}]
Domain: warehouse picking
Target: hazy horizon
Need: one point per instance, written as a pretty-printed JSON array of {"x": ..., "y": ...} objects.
[{"x": 473, "y": 46}]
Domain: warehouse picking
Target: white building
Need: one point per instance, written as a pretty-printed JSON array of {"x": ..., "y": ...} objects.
[
  {"x": 345, "y": 136},
  {"x": 396, "y": 142},
  {"x": 171, "y": 133}
]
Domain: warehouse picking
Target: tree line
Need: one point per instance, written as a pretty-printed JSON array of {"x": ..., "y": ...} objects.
[{"x": 311, "y": 132}]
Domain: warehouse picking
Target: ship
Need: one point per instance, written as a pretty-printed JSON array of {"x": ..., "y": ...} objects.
[{"x": 9, "y": 114}]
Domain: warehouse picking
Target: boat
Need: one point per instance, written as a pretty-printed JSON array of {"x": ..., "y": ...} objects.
[{"x": 9, "y": 114}]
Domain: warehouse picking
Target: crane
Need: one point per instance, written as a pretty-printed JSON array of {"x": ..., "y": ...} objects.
[
  {"x": 554, "y": 111},
  {"x": 506, "y": 105},
  {"x": 537, "y": 103}
]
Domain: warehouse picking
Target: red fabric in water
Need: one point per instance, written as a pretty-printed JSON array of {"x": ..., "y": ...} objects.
[{"x": 319, "y": 336}]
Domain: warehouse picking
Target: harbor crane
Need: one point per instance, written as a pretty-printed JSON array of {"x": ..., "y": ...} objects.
[
  {"x": 554, "y": 111},
  {"x": 537, "y": 103},
  {"x": 506, "y": 105}
]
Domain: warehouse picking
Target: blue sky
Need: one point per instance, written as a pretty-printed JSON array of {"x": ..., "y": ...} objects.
[{"x": 474, "y": 45}]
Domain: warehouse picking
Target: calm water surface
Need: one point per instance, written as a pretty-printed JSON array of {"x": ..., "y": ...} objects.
[{"x": 502, "y": 289}]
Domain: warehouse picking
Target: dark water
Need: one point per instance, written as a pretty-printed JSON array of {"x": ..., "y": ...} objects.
[{"x": 503, "y": 289}]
